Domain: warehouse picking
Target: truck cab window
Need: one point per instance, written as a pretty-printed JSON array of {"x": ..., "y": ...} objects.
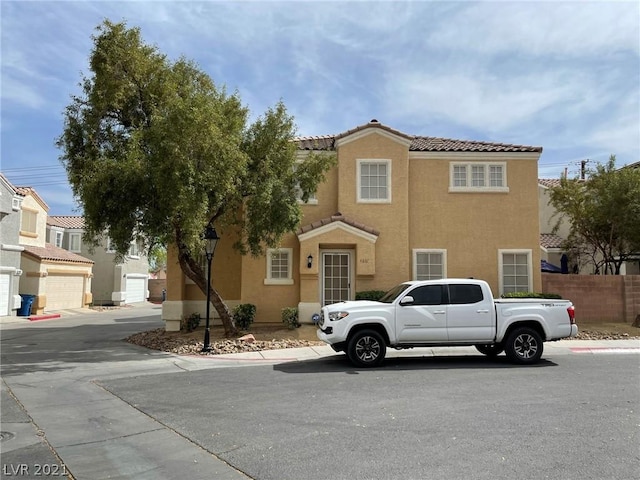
[
  {"x": 463, "y": 294},
  {"x": 427, "y": 295}
]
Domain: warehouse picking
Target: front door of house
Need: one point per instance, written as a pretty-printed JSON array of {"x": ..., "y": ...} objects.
[{"x": 336, "y": 276}]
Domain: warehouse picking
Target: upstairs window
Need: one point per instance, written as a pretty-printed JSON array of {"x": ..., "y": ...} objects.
[
  {"x": 58, "y": 239},
  {"x": 374, "y": 181},
  {"x": 478, "y": 177},
  {"x": 75, "y": 242},
  {"x": 29, "y": 221}
]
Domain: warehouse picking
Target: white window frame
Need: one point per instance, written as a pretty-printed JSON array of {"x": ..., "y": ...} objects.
[
  {"x": 109, "y": 248},
  {"x": 134, "y": 250},
  {"x": 417, "y": 251},
  {"x": 378, "y": 161},
  {"x": 72, "y": 236},
  {"x": 501, "y": 253},
  {"x": 58, "y": 237},
  {"x": 468, "y": 167},
  {"x": 313, "y": 199},
  {"x": 269, "y": 280}
]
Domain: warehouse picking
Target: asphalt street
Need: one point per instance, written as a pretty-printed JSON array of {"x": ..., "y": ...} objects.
[{"x": 79, "y": 402}]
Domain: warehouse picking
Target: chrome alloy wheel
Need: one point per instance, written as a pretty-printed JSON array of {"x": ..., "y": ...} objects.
[
  {"x": 525, "y": 346},
  {"x": 368, "y": 349}
]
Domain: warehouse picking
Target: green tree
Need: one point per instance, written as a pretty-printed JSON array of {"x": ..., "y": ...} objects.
[
  {"x": 603, "y": 213},
  {"x": 154, "y": 150},
  {"x": 157, "y": 258}
]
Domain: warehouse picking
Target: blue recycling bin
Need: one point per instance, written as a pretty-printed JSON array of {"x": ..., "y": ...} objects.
[{"x": 25, "y": 306}]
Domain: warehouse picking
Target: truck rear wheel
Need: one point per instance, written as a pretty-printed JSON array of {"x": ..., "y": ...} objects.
[
  {"x": 524, "y": 346},
  {"x": 366, "y": 348}
]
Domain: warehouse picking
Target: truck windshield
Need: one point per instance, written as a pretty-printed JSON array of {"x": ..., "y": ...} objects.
[{"x": 392, "y": 294}]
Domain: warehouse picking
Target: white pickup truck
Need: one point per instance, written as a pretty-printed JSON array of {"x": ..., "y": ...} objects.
[{"x": 449, "y": 312}]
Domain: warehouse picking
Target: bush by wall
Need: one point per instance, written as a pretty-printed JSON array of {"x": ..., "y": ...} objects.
[
  {"x": 243, "y": 315},
  {"x": 374, "y": 295},
  {"x": 531, "y": 295},
  {"x": 290, "y": 317}
]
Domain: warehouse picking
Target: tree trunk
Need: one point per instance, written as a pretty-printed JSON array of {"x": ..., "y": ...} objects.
[{"x": 195, "y": 272}]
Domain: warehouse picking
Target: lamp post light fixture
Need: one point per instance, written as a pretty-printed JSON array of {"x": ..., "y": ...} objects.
[{"x": 211, "y": 238}]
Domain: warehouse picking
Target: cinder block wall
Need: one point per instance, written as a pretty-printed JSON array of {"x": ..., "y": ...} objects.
[
  {"x": 606, "y": 298},
  {"x": 155, "y": 289}
]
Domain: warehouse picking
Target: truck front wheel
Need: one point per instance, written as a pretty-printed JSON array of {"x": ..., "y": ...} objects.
[
  {"x": 524, "y": 346},
  {"x": 366, "y": 348}
]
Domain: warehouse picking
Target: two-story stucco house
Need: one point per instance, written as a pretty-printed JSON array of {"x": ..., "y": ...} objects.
[
  {"x": 10, "y": 272},
  {"x": 58, "y": 279},
  {"x": 115, "y": 281},
  {"x": 396, "y": 207}
]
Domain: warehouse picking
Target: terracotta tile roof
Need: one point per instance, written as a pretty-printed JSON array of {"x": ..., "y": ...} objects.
[
  {"x": 66, "y": 221},
  {"x": 52, "y": 253},
  {"x": 338, "y": 217},
  {"x": 632, "y": 165},
  {"x": 418, "y": 143},
  {"x": 550, "y": 240},
  {"x": 24, "y": 191},
  {"x": 549, "y": 182}
]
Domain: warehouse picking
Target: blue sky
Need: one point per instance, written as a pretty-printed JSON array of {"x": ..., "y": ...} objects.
[{"x": 561, "y": 75}]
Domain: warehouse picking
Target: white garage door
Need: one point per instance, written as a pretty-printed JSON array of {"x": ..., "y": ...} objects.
[
  {"x": 64, "y": 291},
  {"x": 5, "y": 283},
  {"x": 136, "y": 291}
]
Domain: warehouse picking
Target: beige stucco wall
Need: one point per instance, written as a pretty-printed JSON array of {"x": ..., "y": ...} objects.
[
  {"x": 422, "y": 214},
  {"x": 29, "y": 203}
]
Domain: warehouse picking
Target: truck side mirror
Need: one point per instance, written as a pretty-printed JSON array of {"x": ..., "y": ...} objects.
[{"x": 408, "y": 300}]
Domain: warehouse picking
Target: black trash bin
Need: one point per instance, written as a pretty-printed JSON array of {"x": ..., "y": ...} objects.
[{"x": 25, "y": 306}]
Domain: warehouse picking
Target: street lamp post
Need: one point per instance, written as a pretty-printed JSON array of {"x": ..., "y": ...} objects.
[{"x": 211, "y": 238}]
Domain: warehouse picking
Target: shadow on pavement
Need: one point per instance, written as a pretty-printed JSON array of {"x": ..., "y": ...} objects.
[{"x": 340, "y": 363}]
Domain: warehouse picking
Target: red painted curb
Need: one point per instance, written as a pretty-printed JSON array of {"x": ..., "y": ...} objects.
[{"x": 43, "y": 317}]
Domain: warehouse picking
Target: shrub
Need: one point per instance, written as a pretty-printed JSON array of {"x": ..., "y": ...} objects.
[
  {"x": 243, "y": 315},
  {"x": 191, "y": 322},
  {"x": 370, "y": 295},
  {"x": 531, "y": 295},
  {"x": 290, "y": 317}
]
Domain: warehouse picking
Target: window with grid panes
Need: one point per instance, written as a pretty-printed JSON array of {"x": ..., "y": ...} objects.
[
  {"x": 374, "y": 181},
  {"x": 515, "y": 272},
  {"x": 429, "y": 265}
]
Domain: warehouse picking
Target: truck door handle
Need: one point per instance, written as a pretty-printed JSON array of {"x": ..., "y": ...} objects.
[
  {"x": 482, "y": 311},
  {"x": 439, "y": 312}
]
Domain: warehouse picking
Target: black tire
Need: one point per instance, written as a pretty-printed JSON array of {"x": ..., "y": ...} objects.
[
  {"x": 524, "y": 346},
  {"x": 366, "y": 349},
  {"x": 491, "y": 350}
]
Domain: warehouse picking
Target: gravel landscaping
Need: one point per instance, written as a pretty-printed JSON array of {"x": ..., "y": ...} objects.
[{"x": 191, "y": 343}]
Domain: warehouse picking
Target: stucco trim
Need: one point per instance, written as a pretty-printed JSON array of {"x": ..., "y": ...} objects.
[
  {"x": 337, "y": 225},
  {"x": 11, "y": 248},
  {"x": 370, "y": 131}
]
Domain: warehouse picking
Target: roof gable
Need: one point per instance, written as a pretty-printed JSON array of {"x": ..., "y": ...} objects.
[{"x": 415, "y": 143}]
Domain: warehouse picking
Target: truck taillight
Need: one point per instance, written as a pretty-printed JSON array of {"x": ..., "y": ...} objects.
[{"x": 572, "y": 314}]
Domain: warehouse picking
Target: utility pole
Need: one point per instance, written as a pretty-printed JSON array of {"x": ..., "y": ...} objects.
[{"x": 583, "y": 168}]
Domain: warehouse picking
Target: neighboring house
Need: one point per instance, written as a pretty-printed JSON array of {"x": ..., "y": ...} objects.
[
  {"x": 114, "y": 282},
  {"x": 10, "y": 272},
  {"x": 396, "y": 207},
  {"x": 551, "y": 242},
  {"x": 59, "y": 279}
]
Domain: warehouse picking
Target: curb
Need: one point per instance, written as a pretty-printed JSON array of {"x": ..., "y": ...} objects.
[{"x": 35, "y": 318}]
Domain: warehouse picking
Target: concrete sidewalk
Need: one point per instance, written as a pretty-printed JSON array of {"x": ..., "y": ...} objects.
[{"x": 56, "y": 413}]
